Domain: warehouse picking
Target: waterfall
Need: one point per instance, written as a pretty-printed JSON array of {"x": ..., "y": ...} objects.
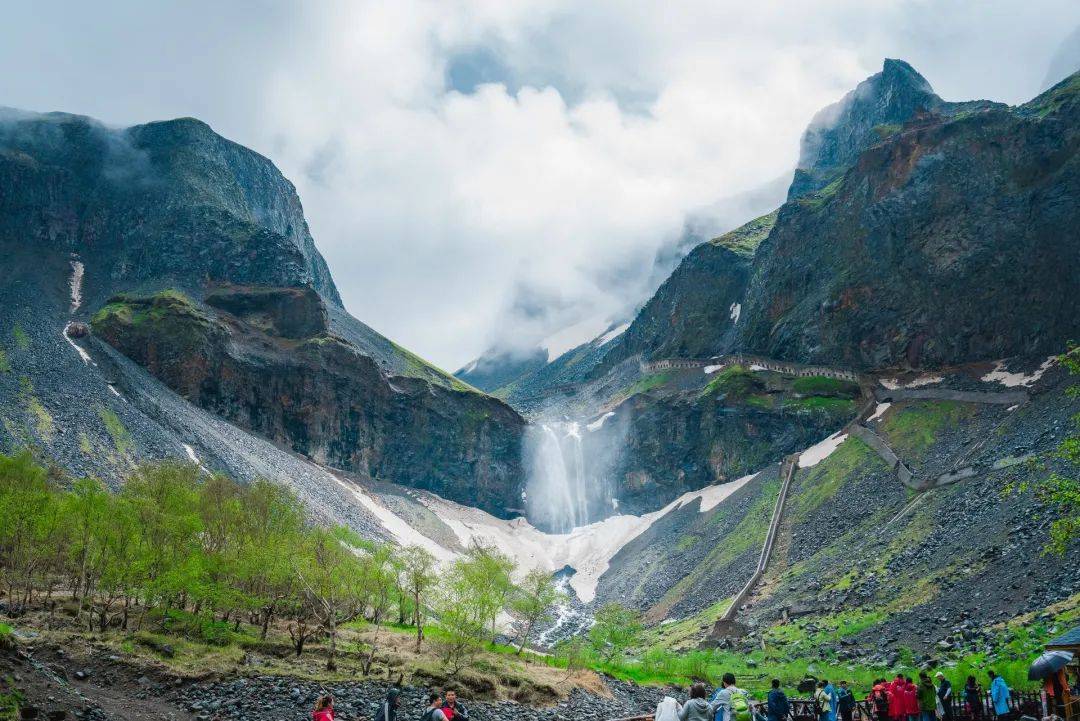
[{"x": 558, "y": 489}]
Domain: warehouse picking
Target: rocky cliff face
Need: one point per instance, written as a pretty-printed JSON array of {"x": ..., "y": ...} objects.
[
  {"x": 875, "y": 109},
  {"x": 952, "y": 240},
  {"x": 196, "y": 254}
]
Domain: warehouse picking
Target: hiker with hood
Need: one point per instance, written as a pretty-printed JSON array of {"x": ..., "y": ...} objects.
[
  {"x": 723, "y": 696},
  {"x": 777, "y": 706},
  {"x": 452, "y": 708},
  {"x": 822, "y": 702},
  {"x": 324, "y": 709},
  {"x": 999, "y": 694},
  {"x": 388, "y": 708},
  {"x": 896, "y": 699},
  {"x": 945, "y": 697},
  {"x": 845, "y": 702},
  {"x": 927, "y": 697},
  {"x": 697, "y": 708},
  {"x": 911, "y": 700},
  {"x": 434, "y": 710}
]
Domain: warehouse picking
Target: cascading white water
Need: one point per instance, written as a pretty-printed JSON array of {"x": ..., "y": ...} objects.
[{"x": 558, "y": 488}]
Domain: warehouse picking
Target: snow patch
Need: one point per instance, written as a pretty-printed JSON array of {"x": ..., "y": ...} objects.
[
  {"x": 923, "y": 380},
  {"x": 191, "y": 454},
  {"x": 587, "y": 549},
  {"x": 402, "y": 532},
  {"x": 78, "y": 349},
  {"x": 1012, "y": 380},
  {"x": 879, "y": 411},
  {"x": 77, "y": 270},
  {"x": 599, "y": 422},
  {"x": 818, "y": 452},
  {"x": 1013, "y": 408},
  {"x": 736, "y": 311},
  {"x": 112, "y": 389},
  {"x": 612, "y": 334},
  {"x": 712, "y": 369}
]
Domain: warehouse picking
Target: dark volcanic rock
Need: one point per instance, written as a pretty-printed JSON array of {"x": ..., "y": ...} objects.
[
  {"x": 317, "y": 395},
  {"x": 954, "y": 240}
]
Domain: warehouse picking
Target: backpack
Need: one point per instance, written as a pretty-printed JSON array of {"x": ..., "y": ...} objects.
[
  {"x": 740, "y": 705},
  {"x": 881, "y": 701}
]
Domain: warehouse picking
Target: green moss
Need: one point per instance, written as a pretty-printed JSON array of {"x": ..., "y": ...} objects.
[
  {"x": 822, "y": 404},
  {"x": 417, "y": 367},
  {"x": 40, "y": 417},
  {"x": 764, "y": 401},
  {"x": 823, "y": 481},
  {"x": 735, "y": 382},
  {"x": 120, "y": 436},
  {"x": 825, "y": 386},
  {"x": 818, "y": 200},
  {"x": 22, "y": 339},
  {"x": 5, "y": 364},
  {"x": 650, "y": 382},
  {"x": 1054, "y": 98},
  {"x": 886, "y": 129},
  {"x": 913, "y": 428},
  {"x": 85, "y": 446},
  {"x": 745, "y": 239}
]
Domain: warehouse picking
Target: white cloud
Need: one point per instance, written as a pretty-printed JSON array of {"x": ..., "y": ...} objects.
[{"x": 535, "y": 202}]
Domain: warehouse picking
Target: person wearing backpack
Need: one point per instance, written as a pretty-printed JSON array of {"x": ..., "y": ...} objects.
[
  {"x": 822, "y": 702},
  {"x": 732, "y": 702},
  {"x": 777, "y": 706},
  {"x": 434, "y": 710},
  {"x": 945, "y": 697},
  {"x": 388, "y": 709},
  {"x": 845, "y": 702},
  {"x": 879, "y": 699}
]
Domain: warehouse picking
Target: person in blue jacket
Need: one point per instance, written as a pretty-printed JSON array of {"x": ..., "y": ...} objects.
[
  {"x": 834, "y": 699},
  {"x": 999, "y": 694}
]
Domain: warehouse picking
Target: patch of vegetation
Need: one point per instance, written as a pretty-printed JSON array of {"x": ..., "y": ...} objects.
[
  {"x": 823, "y": 404},
  {"x": 825, "y": 386},
  {"x": 121, "y": 438},
  {"x": 417, "y": 367},
  {"x": 5, "y": 364},
  {"x": 650, "y": 382},
  {"x": 886, "y": 129},
  {"x": 823, "y": 482},
  {"x": 1053, "y": 99},
  {"x": 42, "y": 420},
  {"x": 85, "y": 446},
  {"x": 735, "y": 382},
  {"x": 745, "y": 239},
  {"x": 914, "y": 427},
  {"x": 818, "y": 200},
  {"x": 22, "y": 339}
]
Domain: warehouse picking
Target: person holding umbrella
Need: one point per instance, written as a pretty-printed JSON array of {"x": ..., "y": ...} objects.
[{"x": 1050, "y": 669}]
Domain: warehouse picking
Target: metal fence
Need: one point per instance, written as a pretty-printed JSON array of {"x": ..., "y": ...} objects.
[{"x": 1021, "y": 703}]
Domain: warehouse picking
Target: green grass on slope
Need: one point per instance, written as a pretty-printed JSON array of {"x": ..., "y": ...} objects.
[
  {"x": 649, "y": 382},
  {"x": 825, "y": 386},
  {"x": 417, "y": 367},
  {"x": 913, "y": 428},
  {"x": 745, "y": 239},
  {"x": 823, "y": 481}
]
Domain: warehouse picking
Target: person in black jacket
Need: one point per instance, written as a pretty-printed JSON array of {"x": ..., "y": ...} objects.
[
  {"x": 387, "y": 710},
  {"x": 945, "y": 696},
  {"x": 845, "y": 702},
  {"x": 777, "y": 707}
]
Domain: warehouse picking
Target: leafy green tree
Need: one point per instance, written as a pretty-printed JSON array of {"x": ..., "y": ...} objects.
[
  {"x": 617, "y": 629},
  {"x": 329, "y": 575},
  {"x": 487, "y": 573},
  {"x": 419, "y": 577},
  {"x": 533, "y": 601}
]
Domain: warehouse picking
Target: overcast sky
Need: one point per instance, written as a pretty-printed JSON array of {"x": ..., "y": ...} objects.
[{"x": 486, "y": 173}]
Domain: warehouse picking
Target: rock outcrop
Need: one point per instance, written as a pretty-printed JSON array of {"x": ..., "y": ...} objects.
[{"x": 195, "y": 259}]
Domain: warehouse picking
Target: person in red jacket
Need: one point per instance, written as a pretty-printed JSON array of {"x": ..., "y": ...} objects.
[
  {"x": 896, "y": 699},
  {"x": 324, "y": 709},
  {"x": 911, "y": 699}
]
